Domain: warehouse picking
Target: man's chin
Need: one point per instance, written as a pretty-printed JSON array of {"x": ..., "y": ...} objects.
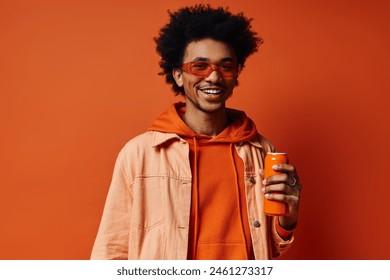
[{"x": 211, "y": 109}]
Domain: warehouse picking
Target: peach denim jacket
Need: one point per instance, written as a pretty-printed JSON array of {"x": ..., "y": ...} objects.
[{"x": 146, "y": 215}]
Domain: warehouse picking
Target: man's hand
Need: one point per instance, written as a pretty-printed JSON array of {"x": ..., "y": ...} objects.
[{"x": 288, "y": 190}]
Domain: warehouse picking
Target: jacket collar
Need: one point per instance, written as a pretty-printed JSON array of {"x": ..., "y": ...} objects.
[
  {"x": 255, "y": 141},
  {"x": 160, "y": 138}
]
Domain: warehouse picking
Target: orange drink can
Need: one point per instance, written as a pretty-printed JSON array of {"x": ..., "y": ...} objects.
[{"x": 272, "y": 207}]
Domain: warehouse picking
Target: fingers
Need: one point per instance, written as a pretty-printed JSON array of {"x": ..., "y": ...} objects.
[
  {"x": 288, "y": 176},
  {"x": 289, "y": 199},
  {"x": 280, "y": 178},
  {"x": 281, "y": 186},
  {"x": 276, "y": 188},
  {"x": 284, "y": 167},
  {"x": 279, "y": 189}
]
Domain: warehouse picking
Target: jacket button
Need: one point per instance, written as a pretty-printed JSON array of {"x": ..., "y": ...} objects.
[
  {"x": 252, "y": 180},
  {"x": 256, "y": 224}
]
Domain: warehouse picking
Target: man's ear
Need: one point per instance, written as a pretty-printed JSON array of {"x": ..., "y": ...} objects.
[{"x": 178, "y": 76}]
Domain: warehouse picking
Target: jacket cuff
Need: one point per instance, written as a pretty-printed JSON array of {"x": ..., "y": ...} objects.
[{"x": 283, "y": 233}]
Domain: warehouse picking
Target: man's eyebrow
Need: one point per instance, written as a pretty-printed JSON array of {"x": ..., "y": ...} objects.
[{"x": 201, "y": 59}]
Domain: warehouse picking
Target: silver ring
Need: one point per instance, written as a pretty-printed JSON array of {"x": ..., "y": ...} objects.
[{"x": 293, "y": 183}]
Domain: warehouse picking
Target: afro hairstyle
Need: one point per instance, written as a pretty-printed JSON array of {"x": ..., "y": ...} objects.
[{"x": 198, "y": 22}]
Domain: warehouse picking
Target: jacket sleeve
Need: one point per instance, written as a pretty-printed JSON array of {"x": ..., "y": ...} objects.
[
  {"x": 113, "y": 234},
  {"x": 278, "y": 245}
]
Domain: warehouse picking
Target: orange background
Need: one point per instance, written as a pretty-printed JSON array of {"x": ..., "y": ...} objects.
[{"x": 79, "y": 79}]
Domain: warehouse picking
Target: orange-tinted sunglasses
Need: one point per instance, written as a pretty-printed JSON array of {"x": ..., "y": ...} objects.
[{"x": 227, "y": 69}]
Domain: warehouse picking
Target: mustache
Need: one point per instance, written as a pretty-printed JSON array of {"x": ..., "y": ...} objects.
[{"x": 216, "y": 85}]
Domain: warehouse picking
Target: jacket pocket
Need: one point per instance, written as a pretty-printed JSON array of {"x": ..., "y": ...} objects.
[{"x": 148, "y": 208}]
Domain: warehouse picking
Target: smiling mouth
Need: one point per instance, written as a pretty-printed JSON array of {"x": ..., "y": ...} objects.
[{"x": 211, "y": 91}]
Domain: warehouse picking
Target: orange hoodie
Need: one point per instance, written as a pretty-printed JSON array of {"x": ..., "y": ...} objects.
[{"x": 219, "y": 226}]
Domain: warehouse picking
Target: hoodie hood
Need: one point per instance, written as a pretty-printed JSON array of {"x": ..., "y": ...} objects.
[{"x": 240, "y": 128}]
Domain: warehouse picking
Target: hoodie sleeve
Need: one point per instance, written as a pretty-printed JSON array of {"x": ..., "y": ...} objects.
[{"x": 113, "y": 234}]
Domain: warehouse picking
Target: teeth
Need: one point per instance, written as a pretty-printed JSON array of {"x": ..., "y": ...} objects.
[{"x": 211, "y": 91}]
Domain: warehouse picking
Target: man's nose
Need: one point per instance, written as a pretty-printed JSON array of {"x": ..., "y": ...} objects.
[{"x": 214, "y": 76}]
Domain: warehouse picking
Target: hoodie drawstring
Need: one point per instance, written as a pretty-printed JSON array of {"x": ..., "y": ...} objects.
[{"x": 238, "y": 198}]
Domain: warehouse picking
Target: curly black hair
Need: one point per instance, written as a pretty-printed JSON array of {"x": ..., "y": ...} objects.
[{"x": 198, "y": 22}]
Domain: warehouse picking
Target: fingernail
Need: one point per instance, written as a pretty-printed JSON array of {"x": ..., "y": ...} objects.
[
  {"x": 275, "y": 167},
  {"x": 264, "y": 181},
  {"x": 266, "y": 195},
  {"x": 263, "y": 189}
]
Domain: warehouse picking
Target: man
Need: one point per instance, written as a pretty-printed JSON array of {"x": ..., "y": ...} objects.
[{"x": 191, "y": 187}]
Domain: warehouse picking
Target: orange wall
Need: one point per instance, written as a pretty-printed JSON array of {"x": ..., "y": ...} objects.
[{"x": 79, "y": 79}]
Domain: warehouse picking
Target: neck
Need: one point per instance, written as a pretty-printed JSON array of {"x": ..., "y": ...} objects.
[{"x": 210, "y": 124}]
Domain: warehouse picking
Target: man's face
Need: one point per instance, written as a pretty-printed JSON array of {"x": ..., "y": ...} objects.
[{"x": 207, "y": 94}]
